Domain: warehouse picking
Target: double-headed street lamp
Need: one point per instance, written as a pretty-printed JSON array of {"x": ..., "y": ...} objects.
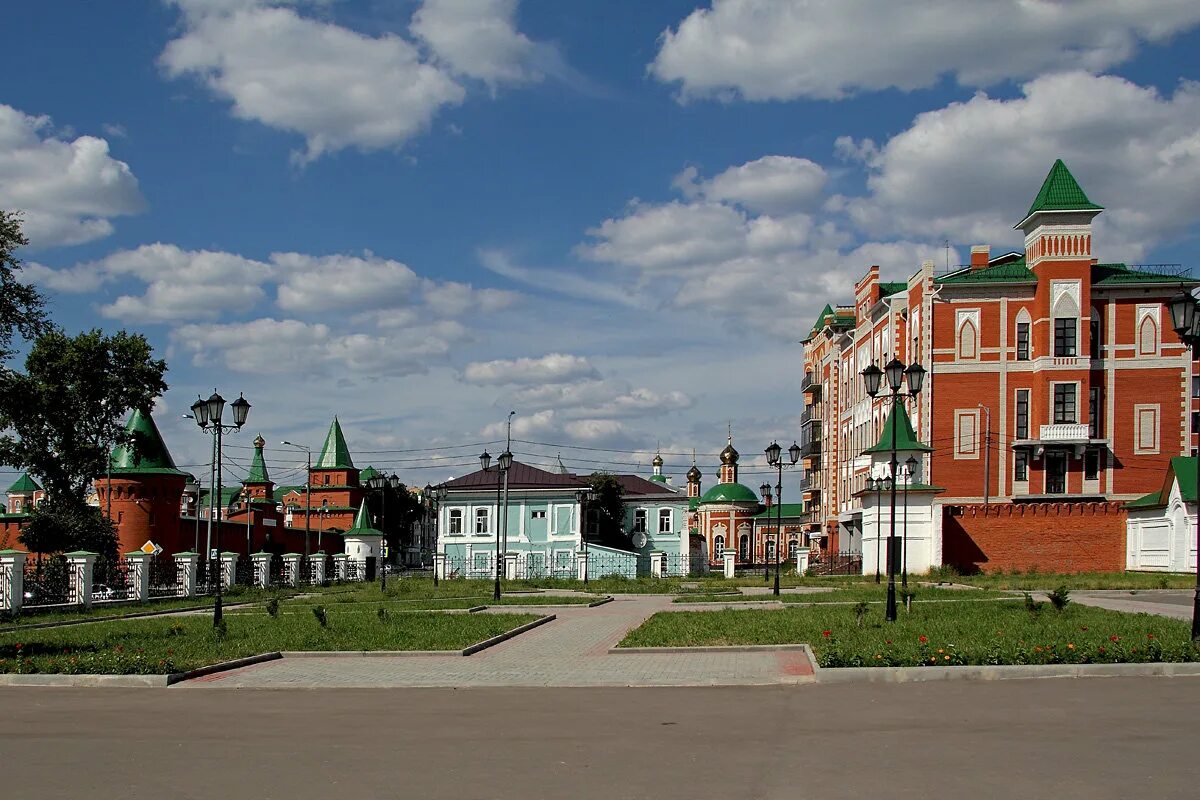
[
  {"x": 896, "y": 372},
  {"x": 381, "y": 483},
  {"x": 1185, "y": 319},
  {"x": 503, "y": 462},
  {"x": 433, "y": 500},
  {"x": 207, "y": 414},
  {"x": 774, "y": 459}
]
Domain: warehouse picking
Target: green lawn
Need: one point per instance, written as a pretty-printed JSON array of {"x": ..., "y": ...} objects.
[
  {"x": 1083, "y": 580},
  {"x": 933, "y": 633},
  {"x": 104, "y": 611},
  {"x": 304, "y": 606},
  {"x": 176, "y": 644},
  {"x": 869, "y": 593}
]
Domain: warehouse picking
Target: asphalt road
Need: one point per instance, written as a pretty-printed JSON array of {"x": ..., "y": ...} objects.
[{"x": 1072, "y": 738}]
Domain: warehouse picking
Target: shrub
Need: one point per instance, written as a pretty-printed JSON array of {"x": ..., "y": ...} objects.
[
  {"x": 1059, "y": 598},
  {"x": 176, "y": 629},
  {"x": 382, "y": 613},
  {"x": 273, "y": 606},
  {"x": 1032, "y": 606},
  {"x": 319, "y": 613},
  {"x": 860, "y": 612}
]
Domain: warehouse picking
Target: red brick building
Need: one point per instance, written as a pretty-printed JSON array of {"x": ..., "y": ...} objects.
[{"x": 1054, "y": 378}]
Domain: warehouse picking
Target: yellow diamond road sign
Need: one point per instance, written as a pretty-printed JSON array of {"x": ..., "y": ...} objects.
[{"x": 150, "y": 548}]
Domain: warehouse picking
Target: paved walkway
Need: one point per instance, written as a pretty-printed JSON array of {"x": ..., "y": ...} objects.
[
  {"x": 570, "y": 651},
  {"x": 1176, "y": 603}
]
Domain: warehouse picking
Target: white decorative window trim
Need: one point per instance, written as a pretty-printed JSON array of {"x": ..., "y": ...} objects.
[
  {"x": 963, "y": 450},
  {"x": 1141, "y": 413},
  {"x": 962, "y": 319},
  {"x": 1153, "y": 313}
]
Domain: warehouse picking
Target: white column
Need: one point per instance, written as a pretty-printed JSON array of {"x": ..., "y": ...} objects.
[
  {"x": 291, "y": 569},
  {"x": 228, "y": 569},
  {"x": 318, "y": 568},
  {"x": 12, "y": 579},
  {"x": 137, "y": 575},
  {"x": 185, "y": 569},
  {"x": 510, "y": 566},
  {"x": 79, "y": 570},
  {"x": 729, "y": 556},
  {"x": 581, "y": 564},
  {"x": 262, "y": 569},
  {"x": 439, "y": 566},
  {"x": 341, "y": 567},
  {"x": 801, "y": 560},
  {"x": 658, "y": 565}
]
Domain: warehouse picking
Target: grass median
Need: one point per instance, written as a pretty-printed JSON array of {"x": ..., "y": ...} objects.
[
  {"x": 1034, "y": 579},
  {"x": 943, "y": 634},
  {"x": 869, "y": 593},
  {"x": 177, "y": 644}
]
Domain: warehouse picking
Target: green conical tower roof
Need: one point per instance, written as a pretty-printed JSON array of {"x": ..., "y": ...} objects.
[
  {"x": 367, "y": 474},
  {"x": 144, "y": 451},
  {"x": 335, "y": 454},
  {"x": 362, "y": 524},
  {"x": 1061, "y": 192},
  {"x": 258, "y": 467},
  {"x": 906, "y": 438},
  {"x": 24, "y": 485}
]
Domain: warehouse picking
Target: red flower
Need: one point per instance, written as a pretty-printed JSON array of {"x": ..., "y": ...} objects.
[
  {"x": 889, "y": 641},
  {"x": 922, "y": 638},
  {"x": 1084, "y": 628},
  {"x": 1114, "y": 638},
  {"x": 1101, "y": 649},
  {"x": 1149, "y": 635},
  {"x": 19, "y": 646},
  {"x": 826, "y": 633}
]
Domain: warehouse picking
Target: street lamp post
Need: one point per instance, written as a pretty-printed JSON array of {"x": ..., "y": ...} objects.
[
  {"x": 208, "y": 416},
  {"x": 911, "y": 469},
  {"x": 581, "y": 497},
  {"x": 765, "y": 491},
  {"x": 774, "y": 458},
  {"x": 1186, "y": 322},
  {"x": 307, "y": 490},
  {"x": 381, "y": 483},
  {"x": 876, "y": 485},
  {"x": 896, "y": 372}
]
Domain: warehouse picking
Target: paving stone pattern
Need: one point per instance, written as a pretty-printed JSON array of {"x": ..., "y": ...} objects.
[{"x": 570, "y": 651}]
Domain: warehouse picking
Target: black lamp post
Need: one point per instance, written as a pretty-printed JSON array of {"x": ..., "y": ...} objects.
[
  {"x": 1186, "y": 322},
  {"x": 775, "y": 459},
  {"x": 381, "y": 483},
  {"x": 207, "y": 414},
  {"x": 896, "y": 372},
  {"x": 765, "y": 491},
  {"x": 581, "y": 497},
  {"x": 910, "y": 470}
]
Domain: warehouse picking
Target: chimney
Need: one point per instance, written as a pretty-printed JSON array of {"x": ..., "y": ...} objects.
[{"x": 979, "y": 256}]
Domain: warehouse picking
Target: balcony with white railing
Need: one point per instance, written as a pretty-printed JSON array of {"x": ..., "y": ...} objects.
[{"x": 1064, "y": 433}]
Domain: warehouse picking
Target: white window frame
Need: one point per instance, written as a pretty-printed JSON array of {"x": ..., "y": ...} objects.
[
  {"x": 964, "y": 318},
  {"x": 718, "y": 546},
  {"x": 485, "y": 515},
  {"x": 665, "y": 515},
  {"x": 1153, "y": 314},
  {"x": 454, "y": 515},
  {"x": 538, "y": 514},
  {"x": 639, "y": 520}
]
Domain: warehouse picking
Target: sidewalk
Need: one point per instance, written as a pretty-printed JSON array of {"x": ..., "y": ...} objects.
[{"x": 570, "y": 651}]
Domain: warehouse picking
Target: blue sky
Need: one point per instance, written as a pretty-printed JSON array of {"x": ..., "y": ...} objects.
[{"x": 617, "y": 218}]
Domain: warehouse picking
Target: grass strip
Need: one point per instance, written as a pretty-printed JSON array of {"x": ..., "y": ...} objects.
[
  {"x": 1084, "y": 580},
  {"x": 943, "y": 634},
  {"x": 177, "y": 644},
  {"x": 868, "y": 594}
]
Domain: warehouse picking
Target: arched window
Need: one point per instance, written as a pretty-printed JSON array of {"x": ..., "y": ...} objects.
[
  {"x": 744, "y": 548},
  {"x": 770, "y": 550},
  {"x": 1147, "y": 337},
  {"x": 968, "y": 340},
  {"x": 718, "y": 546},
  {"x": 793, "y": 546}
]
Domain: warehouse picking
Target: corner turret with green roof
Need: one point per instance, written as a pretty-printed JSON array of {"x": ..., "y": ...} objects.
[
  {"x": 335, "y": 454},
  {"x": 1060, "y": 192},
  {"x": 24, "y": 485},
  {"x": 362, "y": 524},
  {"x": 898, "y": 426},
  {"x": 143, "y": 452},
  {"x": 258, "y": 466}
]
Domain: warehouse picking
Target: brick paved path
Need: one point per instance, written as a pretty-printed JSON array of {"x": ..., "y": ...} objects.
[{"x": 570, "y": 651}]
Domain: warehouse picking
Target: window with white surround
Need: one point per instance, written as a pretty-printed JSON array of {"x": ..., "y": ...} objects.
[
  {"x": 718, "y": 546},
  {"x": 1147, "y": 330},
  {"x": 537, "y": 514},
  {"x": 664, "y": 520},
  {"x": 968, "y": 334},
  {"x": 481, "y": 520},
  {"x": 456, "y": 521},
  {"x": 966, "y": 433},
  {"x": 1145, "y": 428},
  {"x": 1020, "y": 466},
  {"x": 1064, "y": 398},
  {"x": 639, "y": 520}
]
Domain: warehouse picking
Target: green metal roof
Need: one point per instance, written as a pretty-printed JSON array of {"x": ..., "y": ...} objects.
[
  {"x": 1014, "y": 272},
  {"x": 659, "y": 478},
  {"x": 335, "y": 454},
  {"x": 362, "y": 524},
  {"x": 789, "y": 510},
  {"x": 1116, "y": 274},
  {"x": 889, "y": 288},
  {"x": 899, "y": 425},
  {"x": 367, "y": 474},
  {"x": 148, "y": 454},
  {"x": 258, "y": 467},
  {"x": 24, "y": 485},
  {"x": 821, "y": 318},
  {"x": 1181, "y": 469},
  {"x": 1061, "y": 192},
  {"x": 693, "y": 503},
  {"x": 729, "y": 493}
]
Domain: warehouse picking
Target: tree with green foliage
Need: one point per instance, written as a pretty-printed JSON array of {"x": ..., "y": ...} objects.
[
  {"x": 607, "y": 507},
  {"x": 65, "y": 412},
  {"x": 59, "y": 527},
  {"x": 22, "y": 307}
]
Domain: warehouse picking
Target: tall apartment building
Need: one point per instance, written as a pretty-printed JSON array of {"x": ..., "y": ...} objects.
[{"x": 1053, "y": 377}]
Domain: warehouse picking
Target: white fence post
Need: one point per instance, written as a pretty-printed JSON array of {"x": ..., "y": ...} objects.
[
  {"x": 79, "y": 568},
  {"x": 801, "y": 560},
  {"x": 291, "y": 569},
  {"x": 341, "y": 567},
  {"x": 137, "y": 575},
  {"x": 581, "y": 563},
  {"x": 439, "y": 566},
  {"x": 658, "y": 565},
  {"x": 318, "y": 567},
  {"x": 510, "y": 566},
  {"x": 729, "y": 556},
  {"x": 262, "y": 569},
  {"x": 185, "y": 570},
  {"x": 228, "y": 569},
  {"x": 12, "y": 580}
]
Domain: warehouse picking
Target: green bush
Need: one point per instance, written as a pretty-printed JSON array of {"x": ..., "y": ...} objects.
[
  {"x": 1059, "y": 598},
  {"x": 322, "y": 617}
]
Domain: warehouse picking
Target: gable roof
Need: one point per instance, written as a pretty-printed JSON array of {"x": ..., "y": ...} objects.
[
  {"x": 144, "y": 452},
  {"x": 1012, "y": 271},
  {"x": 334, "y": 454},
  {"x": 24, "y": 485},
  {"x": 637, "y": 485},
  {"x": 1181, "y": 469},
  {"x": 888, "y": 288},
  {"x": 362, "y": 524},
  {"x": 906, "y": 438},
  {"x": 520, "y": 476},
  {"x": 1061, "y": 192},
  {"x": 1120, "y": 274}
]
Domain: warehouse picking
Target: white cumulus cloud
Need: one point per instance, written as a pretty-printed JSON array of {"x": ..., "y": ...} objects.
[
  {"x": 476, "y": 38},
  {"x": 550, "y": 368}
]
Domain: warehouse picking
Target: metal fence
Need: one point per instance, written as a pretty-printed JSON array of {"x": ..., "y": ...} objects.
[
  {"x": 843, "y": 563},
  {"x": 164, "y": 577},
  {"x": 110, "y": 581},
  {"x": 47, "y": 582},
  {"x": 206, "y": 576}
]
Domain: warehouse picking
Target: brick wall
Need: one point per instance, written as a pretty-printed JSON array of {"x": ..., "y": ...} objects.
[{"x": 1050, "y": 537}]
